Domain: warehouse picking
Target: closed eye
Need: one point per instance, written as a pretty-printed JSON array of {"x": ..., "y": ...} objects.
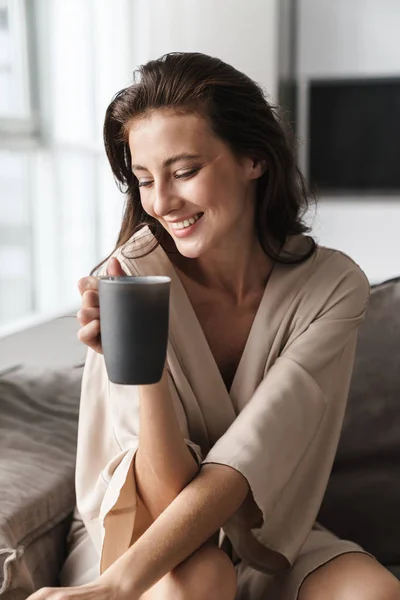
[{"x": 184, "y": 175}]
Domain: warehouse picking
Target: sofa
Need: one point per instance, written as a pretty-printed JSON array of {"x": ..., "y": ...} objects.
[{"x": 38, "y": 427}]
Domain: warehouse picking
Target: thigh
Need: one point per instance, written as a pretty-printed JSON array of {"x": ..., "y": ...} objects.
[
  {"x": 320, "y": 547},
  {"x": 356, "y": 576},
  {"x": 208, "y": 574}
]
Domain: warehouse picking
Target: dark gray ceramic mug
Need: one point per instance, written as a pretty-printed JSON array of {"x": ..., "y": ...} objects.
[{"x": 134, "y": 327}]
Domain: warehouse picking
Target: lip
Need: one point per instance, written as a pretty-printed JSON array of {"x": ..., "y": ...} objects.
[{"x": 182, "y": 233}]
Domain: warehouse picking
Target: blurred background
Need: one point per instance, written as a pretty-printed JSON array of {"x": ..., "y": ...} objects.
[{"x": 333, "y": 66}]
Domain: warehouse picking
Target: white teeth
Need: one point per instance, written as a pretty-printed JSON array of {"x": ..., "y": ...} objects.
[{"x": 185, "y": 223}]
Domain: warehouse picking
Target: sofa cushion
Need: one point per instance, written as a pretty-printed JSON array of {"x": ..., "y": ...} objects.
[
  {"x": 363, "y": 496},
  {"x": 38, "y": 429},
  {"x": 39, "y": 565}
]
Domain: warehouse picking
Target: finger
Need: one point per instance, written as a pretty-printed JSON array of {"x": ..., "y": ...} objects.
[
  {"x": 90, "y": 299},
  {"x": 114, "y": 268},
  {"x": 86, "y": 315},
  {"x": 89, "y": 333},
  {"x": 88, "y": 283}
]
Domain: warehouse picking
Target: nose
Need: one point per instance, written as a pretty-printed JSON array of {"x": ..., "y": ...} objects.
[{"x": 163, "y": 199}]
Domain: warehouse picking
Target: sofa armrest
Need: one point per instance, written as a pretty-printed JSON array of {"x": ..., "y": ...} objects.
[{"x": 38, "y": 428}]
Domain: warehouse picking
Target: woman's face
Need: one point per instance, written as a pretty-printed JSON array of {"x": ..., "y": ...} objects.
[{"x": 192, "y": 183}]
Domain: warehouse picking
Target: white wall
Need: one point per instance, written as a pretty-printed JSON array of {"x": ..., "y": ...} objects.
[
  {"x": 244, "y": 34},
  {"x": 349, "y": 38},
  {"x": 366, "y": 230},
  {"x": 356, "y": 38}
]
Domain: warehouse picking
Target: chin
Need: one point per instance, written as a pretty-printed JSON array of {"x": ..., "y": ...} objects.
[{"x": 190, "y": 250}]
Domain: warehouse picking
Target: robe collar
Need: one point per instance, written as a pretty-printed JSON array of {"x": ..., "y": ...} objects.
[{"x": 189, "y": 357}]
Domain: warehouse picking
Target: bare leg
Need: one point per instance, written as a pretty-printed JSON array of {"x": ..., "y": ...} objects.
[
  {"x": 207, "y": 574},
  {"x": 353, "y": 576}
]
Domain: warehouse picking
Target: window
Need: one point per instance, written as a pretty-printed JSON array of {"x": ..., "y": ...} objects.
[
  {"x": 60, "y": 210},
  {"x": 15, "y": 93}
]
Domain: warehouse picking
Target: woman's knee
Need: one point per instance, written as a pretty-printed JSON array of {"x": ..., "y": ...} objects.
[
  {"x": 207, "y": 574},
  {"x": 356, "y": 576}
]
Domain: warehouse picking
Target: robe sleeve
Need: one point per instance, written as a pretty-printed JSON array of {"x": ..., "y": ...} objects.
[
  {"x": 108, "y": 438},
  {"x": 285, "y": 438},
  {"x": 107, "y": 498}
]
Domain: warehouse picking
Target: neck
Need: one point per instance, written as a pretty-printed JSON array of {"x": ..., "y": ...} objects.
[{"x": 236, "y": 273}]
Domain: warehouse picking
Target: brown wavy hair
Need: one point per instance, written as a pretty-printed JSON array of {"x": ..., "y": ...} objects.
[{"x": 239, "y": 113}]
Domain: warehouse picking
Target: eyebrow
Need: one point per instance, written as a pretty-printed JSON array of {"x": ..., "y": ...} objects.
[{"x": 169, "y": 161}]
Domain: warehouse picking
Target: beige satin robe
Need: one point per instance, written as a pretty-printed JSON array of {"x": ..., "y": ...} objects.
[{"x": 279, "y": 424}]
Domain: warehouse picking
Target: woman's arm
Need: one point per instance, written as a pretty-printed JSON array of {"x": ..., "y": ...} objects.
[
  {"x": 190, "y": 520},
  {"x": 187, "y": 523},
  {"x": 163, "y": 464}
]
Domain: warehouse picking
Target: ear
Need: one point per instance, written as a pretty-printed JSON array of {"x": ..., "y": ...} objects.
[{"x": 257, "y": 168}]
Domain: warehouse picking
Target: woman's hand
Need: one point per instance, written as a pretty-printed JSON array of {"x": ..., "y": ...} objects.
[
  {"x": 97, "y": 590},
  {"x": 89, "y": 314}
]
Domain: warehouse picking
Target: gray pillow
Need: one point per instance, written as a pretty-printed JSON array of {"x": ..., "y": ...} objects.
[
  {"x": 363, "y": 496},
  {"x": 38, "y": 429}
]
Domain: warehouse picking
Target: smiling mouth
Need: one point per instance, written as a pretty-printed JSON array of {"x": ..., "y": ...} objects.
[{"x": 186, "y": 222}]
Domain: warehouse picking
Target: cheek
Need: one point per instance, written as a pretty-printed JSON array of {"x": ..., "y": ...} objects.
[
  {"x": 147, "y": 205},
  {"x": 208, "y": 192}
]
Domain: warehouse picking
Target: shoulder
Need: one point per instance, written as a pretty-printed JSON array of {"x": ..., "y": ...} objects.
[
  {"x": 340, "y": 270},
  {"x": 328, "y": 282},
  {"x": 335, "y": 282}
]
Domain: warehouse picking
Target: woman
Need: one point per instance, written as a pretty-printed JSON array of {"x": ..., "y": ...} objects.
[{"x": 216, "y": 495}]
